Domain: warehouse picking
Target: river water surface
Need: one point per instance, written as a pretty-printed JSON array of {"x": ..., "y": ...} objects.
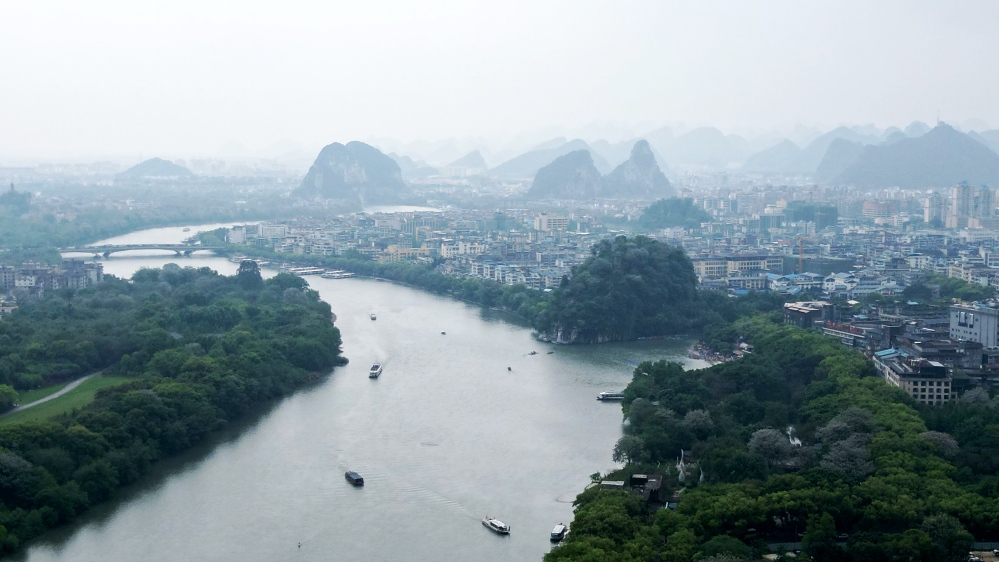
[{"x": 446, "y": 436}]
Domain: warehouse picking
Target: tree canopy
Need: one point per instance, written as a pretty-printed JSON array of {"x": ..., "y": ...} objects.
[
  {"x": 798, "y": 439},
  {"x": 628, "y": 288},
  {"x": 673, "y": 212},
  {"x": 201, "y": 349}
]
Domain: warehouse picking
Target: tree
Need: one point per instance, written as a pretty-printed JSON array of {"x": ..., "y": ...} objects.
[
  {"x": 951, "y": 541},
  {"x": 8, "y": 397},
  {"x": 248, "y": 277},
  {"x": 849, "y": 458},
  {"x": 819, "y": 541},
  {"x": 724, "y": 545},
  {"x": 680, "y": 546},
  {"x": 630, "y": 449},
  {"x": 772, "y": 445}
]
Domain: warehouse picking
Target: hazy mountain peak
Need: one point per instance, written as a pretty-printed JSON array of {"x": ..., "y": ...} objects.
[
  {"x": 155, "y": 168},
  {"x": 355, "y": 172}
]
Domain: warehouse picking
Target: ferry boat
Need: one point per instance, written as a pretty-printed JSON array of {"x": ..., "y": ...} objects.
[
  {"x": 354, "y": 478},
  {"x": 496, "y": 525},
  {"x": 559, "y": 532},
  {"x": 306, "y": 270},
  {"x": 608, "y": 396},
  {"x": 336, "y": 274},
  {"x": 375, "y": 371}
]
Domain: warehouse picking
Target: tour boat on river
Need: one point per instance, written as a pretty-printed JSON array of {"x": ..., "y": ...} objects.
[
  {"x": 559, "y": 532},
  {"x": 354, "y": 478},
  {"x": 610, "y": 396},
  {"x": 496, "y": 525}
]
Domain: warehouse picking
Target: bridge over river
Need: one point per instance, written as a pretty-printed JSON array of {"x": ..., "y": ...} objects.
[{"x": 179, "y": 249}]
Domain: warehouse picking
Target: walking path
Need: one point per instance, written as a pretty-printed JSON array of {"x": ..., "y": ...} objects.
[{"x": 52, "y": 396}]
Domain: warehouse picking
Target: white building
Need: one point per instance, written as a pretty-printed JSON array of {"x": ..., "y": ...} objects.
[{"x": 978, "y": 322}]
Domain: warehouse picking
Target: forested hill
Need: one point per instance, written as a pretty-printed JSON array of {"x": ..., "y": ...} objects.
[
  {"x": 201, "y": 350},
  {"x": 867, "y": 475},
  {"x": 672, "y": 212},
  {"x": 628, "y": 289}
]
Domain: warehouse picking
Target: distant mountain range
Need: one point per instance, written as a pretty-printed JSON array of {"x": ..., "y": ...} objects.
[
  {"x": 939, "y": 158},
  {"x": 832, "y": 156},
  {"x": 357, "y": 173},
  {"x": 155, "y": 168},
  {"x": 575, "y": 176},
  {"x": 527, "y": 165},
  {"x": 412, "y": 169}
]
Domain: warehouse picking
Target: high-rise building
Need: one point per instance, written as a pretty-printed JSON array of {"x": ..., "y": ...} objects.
[
  {"x": 962, "y": 204},
  {"x": 984, "y": 204},
  {"x": 934, "y": 209}
]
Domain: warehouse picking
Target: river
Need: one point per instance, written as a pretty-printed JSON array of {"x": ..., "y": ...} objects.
[{"x": 447, "y": 435}]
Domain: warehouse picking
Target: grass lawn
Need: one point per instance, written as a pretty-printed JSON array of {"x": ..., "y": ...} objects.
[
  {"x": 79, "y": 396},
  {"x": 30, "y": 396}
]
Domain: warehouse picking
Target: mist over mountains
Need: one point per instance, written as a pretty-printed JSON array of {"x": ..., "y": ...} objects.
[
  {"x": 576, "y": 176},
  {"x": 915, "y": 156}
]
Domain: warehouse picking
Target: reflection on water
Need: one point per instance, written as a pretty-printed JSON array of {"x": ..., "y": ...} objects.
[{"x": 459, "y": 425}]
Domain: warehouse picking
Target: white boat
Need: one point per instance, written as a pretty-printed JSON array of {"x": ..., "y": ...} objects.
[
  {"x": 336, "y": 274},
  {"x": 610, "y": 396},
  {"x": 496, "y": 525},
  {"x": 306, "y": 270},
  {"x": 559, "y": 532},
  {"x": 376, "y": 370}
]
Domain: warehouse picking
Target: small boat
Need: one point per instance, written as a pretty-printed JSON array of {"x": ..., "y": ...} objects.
[
  {"x": 376, "y": 370},
  {"x": 187, "y": 229},
  {"x": 373, "y": 317},
  {"x": 550, "y": 352},
  {"x": 608, "y": 396},
  {"x": 354, "y": 478},
  {"x": 533, "y": 353},
  {"x": 443, "y": 333},
  {"x": 559, "y": 532},
  {"x": 496, "y": 525}
]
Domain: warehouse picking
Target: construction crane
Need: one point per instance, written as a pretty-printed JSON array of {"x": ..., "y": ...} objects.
[{"x": 801, "y": 253}]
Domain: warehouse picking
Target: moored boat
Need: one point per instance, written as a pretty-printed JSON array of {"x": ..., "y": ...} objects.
[
  {"x": 559, "y": 532},
  {"x": 607, "y": 396},
  {"x": 496, "y": 525}
]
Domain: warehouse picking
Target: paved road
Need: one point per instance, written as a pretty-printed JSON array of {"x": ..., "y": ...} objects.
[{"x": 52, "y": 396}]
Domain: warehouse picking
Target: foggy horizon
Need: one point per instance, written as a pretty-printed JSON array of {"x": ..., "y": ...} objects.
[{"x": 182, "y": 79}]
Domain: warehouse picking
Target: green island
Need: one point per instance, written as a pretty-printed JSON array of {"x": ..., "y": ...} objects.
[{"x": 184, "y": 352}]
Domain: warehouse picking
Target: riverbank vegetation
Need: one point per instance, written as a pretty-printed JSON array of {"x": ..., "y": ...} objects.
[
  {"x": 33, "y": 227},
  {"x": 198, "y": 350},
  {"x": 629, "y": 288},
  {"x": 798, "y": 441}
]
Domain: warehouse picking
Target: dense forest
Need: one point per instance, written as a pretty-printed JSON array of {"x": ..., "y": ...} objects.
[
  {"x": 673, "y": 212},
  {"x": 627, "y": 289},
  {"x": 201, "y": 350},
  {"x": 798, "y": 441}
]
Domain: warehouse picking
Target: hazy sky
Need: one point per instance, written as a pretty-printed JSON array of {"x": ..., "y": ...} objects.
[{"x": 182, "y": 78}]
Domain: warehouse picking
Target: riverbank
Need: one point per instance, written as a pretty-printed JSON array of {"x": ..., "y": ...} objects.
[{"x": 435, "y": 405}]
